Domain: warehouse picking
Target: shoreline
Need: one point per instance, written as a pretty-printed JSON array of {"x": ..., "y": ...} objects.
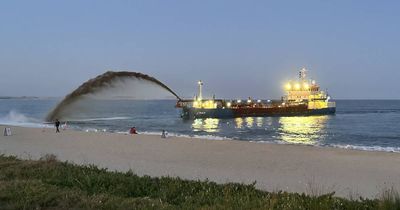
[
  {"x": 287, "y": 167},
  {"x": 214, "y": 138}
]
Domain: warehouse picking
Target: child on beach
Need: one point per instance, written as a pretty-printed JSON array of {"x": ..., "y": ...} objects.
[
  {"x": 64, "y": 127},
  {"x": 164, "y": 134}
]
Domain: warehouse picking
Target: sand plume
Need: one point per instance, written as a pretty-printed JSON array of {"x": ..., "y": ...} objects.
[{"x": 108, "y": 85}]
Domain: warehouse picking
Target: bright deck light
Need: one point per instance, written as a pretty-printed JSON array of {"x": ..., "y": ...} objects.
[
  {"x": 297, "y": 86},
  {"x": 306, "y": 86},
  {"x": 288, "y": 86}
]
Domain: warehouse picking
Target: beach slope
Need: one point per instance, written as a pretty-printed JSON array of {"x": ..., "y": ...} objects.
[{"x": 292, "y": 168}]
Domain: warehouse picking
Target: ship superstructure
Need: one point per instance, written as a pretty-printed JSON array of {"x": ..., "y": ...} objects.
[
  {"x": 303, "y": 97},
  {"x": 304, "y": 91}
]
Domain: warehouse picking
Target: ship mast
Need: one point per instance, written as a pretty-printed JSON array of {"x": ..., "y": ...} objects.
[
  {"x": 303, "y": 74},
  {"x": 200, "y": 95}
]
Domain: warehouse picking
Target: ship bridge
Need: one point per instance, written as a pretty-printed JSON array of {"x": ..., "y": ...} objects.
[{"x": 306, "y": 91}]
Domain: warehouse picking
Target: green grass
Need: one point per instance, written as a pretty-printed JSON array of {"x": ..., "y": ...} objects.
[{"x": 50, "y": 184}]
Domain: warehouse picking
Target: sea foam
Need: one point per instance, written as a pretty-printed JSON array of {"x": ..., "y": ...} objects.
[
  {"x": 368, "y": 148},
  {"x": 16, "y": 118}
]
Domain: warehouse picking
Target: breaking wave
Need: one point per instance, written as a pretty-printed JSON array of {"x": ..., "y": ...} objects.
[
  {"x": 18, "y": 119},
  {"x": 368, "y": 148},
  {"x": 154, "y": 133},
  {"x": 100, "y": 119}
]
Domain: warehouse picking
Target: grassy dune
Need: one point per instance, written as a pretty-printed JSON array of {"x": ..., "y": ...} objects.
[{"x": 50, "y": 184}]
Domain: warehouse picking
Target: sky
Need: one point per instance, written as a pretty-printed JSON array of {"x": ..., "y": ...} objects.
[{"x": 238, "y": 48}]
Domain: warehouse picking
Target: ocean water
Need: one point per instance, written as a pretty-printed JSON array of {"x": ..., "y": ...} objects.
[{"x": 358, "y": 124}]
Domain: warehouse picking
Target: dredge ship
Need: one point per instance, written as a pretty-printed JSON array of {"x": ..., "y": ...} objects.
[{"x": 303, "y": 98}]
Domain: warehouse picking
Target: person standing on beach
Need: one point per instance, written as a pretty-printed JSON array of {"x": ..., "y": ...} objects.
[{"x": 57, "y": 124}]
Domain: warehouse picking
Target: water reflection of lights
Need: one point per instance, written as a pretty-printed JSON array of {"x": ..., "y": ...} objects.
[
  {"x": 302, "y": 130},
  {"x": 209, "y": 125},
  {"x": 239, "y": 122},
  {"x": 249, "y": 121},
  {"x": 259, "y": 121}
]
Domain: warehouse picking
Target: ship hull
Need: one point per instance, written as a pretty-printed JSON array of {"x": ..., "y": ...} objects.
[{"x": 193, "y": 113}]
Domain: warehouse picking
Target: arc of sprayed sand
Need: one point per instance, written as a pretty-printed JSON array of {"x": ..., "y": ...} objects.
[{"x": 100, "y": 81}]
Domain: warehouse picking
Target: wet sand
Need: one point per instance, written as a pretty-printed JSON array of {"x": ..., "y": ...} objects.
[{"x": 293, "y": 168}]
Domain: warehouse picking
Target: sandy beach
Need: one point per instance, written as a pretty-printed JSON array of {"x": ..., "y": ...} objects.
[{"x": 293, "y": 168}]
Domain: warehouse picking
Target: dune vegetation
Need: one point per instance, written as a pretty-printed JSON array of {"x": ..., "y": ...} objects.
[{"x": 50, "y": 184}]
